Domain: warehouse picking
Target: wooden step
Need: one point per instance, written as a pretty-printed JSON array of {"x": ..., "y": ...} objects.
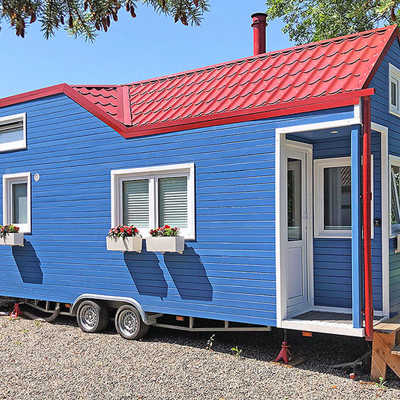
[
  {"x": 396, "y": 350},
  {"x": 391, "y": 325},
  {"x": 386, "y": 348}
]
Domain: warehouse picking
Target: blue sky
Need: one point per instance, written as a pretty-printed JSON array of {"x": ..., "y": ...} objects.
[{"x": 133, "y": 49}]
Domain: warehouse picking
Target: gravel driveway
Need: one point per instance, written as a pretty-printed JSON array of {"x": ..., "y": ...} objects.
[{"x": 58, "y": 361}]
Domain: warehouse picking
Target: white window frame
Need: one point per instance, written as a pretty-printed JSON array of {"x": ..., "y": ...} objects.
[
  {"x": 395, "y": 161},
  {"x": 319, "y": 228},
  {"x": 153, "y": 174},
  {"x": 8, "y": 181},
  {"x": 16, "y": 144},
  {"x": 394, "y": 76}
]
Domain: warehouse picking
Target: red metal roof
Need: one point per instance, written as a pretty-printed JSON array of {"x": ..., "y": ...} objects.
[
  {"x": 316, "y": 76},
  {"x": 314, "y": 70}
]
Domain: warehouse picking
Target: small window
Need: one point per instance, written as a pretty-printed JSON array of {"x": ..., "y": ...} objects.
[
  {"x": 394, "y": 100},
  {"x": 17, "y": 201},
  {"x": 332, "y": 204},
  {"x": 394, "y": 89},
  {"x": 13, "y": 132},
  {"x": 337, "y": 198},
  {"x": 395, "y": 193},
  {"x": 156, "y": 196}
]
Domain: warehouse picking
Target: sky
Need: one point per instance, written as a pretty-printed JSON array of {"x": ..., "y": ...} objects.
[{"x": 133, "y": 49}]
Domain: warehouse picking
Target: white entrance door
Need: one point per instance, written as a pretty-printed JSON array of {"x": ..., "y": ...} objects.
[{"x": 297, "y": 198}]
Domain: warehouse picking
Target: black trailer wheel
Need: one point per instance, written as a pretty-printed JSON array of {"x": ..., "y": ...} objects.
[
  {"x": 129, "y": 323},
  {"x": 92, "y": 317}
]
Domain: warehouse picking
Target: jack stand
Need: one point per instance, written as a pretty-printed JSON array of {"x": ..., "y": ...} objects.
[
  {"x": 284, "y": 354},
  {"x": 16, "y": 312}
]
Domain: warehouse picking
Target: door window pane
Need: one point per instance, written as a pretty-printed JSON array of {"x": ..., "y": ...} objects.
[
  {"x": 136, "y": 203},
  {"x": 393, "y": 93},
  {"x": 395, "y": 193},
  {"x": 173, "y": 209},
  {"x": 19, "y": 203},
  {"x": 337, "y": 198},
  {"x": 294, "y": 200}
]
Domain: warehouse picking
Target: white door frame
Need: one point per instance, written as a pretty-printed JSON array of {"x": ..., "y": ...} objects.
[{"x": 285, "y": 144}]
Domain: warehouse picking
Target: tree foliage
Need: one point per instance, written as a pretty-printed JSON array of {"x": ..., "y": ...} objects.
[
  {"x": 86, "y": 17},
  {"x": 312, "y": 20}
]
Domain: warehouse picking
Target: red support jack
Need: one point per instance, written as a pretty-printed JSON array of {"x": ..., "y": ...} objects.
[
  {"x": 16, "y": 312},
  {"x": 284, "y": 354}
]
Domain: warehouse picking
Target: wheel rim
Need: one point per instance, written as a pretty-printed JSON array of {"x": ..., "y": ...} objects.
[
  {"x": 128, "y": 323},
  {"x": 88, "y": 317}
]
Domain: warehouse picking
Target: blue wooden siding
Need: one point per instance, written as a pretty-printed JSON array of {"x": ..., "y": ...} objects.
[
  {"x": 332, "y": 257},
  {"x": 381, "y": 115},
  {"x": 227, "y": 273}
]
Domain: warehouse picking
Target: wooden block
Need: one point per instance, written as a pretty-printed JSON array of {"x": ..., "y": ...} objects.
[
  {"x": 390, "y": 325},
  {"x": 396, "y": 350},
  {"x": 387, "y": 327},
  {"x": 378, "y": 368},
  {"x": 382, "y": 356}
]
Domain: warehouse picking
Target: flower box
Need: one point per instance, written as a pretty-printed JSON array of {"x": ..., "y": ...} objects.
[
  {"x": 124, "y": 238},
  {"x": 165, "y": 244},
  {"x": 133, "y": 243},
  {"x": 12, "y": 239}
]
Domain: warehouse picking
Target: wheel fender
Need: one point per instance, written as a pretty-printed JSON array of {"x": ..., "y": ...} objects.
[{"x": 128, "y": 300}]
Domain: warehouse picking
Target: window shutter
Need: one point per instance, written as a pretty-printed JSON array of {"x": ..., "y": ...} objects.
[
  {"x": 136, "y": 203},
  {"x": 172, "y": 194},
  {"x": 11, "y": 132}
]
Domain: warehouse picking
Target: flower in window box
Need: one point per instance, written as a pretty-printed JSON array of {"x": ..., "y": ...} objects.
[
  {"x": 165, "y": 239},
  {"x": 11, "y": 236},
  {"x": 124, "y": 238}
]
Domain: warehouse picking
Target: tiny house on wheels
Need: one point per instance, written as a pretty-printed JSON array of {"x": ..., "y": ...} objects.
[{"x": 281, "y": 171}]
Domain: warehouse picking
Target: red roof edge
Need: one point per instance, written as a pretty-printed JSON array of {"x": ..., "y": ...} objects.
[
  {"x": 294, "y": 107},
  {"x": 395, "y": 34}
]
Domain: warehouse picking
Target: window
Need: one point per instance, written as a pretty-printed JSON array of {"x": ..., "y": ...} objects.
[
  {"x": 394, "y": 95},
  {"x": 395, "y": 193},
  {"x": 13, "y": 132},
  {"x": 332, "y": 205},
  {"x": 154, "y": 196},
  {"x": 17, "y": 200}
]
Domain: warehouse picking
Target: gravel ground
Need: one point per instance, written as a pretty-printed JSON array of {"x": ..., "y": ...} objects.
[{"x": 58, "y": 361}]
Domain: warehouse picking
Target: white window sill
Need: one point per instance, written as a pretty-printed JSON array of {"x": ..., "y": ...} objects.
[
  {"x": 333, "y": 235},
  {"x": 394, "y": 112}
]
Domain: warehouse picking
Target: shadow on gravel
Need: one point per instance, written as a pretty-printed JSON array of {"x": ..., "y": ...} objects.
[{"x": 319, "y": 352}]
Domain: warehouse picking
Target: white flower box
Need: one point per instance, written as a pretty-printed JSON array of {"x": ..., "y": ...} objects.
[
  {"x": 165, "y": 244},
  {"x": 12, "y": 239},
  {"x": 132, "y": 243}
]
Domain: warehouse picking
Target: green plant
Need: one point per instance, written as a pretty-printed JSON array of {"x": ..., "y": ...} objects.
[
  {"x": 6, "y": 229},
  {"x": 236, "y": 351},
  {"x": 381, "y": 384},
  {"x": 210, "y": 342},
  {"x": 123, "y": 231},
  {"x": 165, "y": 230}
]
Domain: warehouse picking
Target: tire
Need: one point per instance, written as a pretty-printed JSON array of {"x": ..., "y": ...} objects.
[
  {"x": 129, "y": 323},
  {"x": 92, "y": 317}
]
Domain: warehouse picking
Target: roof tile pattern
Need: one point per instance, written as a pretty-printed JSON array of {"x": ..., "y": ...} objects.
[
  {"x": 313, "y": 70},
  {"x": 105, "y": 97}
]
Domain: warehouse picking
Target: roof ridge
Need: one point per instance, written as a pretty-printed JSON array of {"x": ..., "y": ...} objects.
[{"x": 263, "y": 55}]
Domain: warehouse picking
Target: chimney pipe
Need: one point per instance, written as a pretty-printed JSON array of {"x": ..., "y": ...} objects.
[{"x": 259, "y": 32}]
